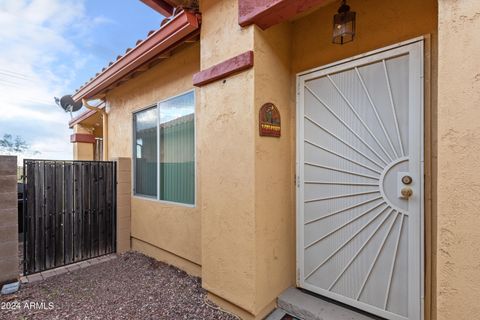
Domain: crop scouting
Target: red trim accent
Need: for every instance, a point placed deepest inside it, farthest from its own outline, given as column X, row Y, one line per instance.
column 267, row 13
column 82, row 138
column 160, row 6
column 228, row 67
column 170, row 34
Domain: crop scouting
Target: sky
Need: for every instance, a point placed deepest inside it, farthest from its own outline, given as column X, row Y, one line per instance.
column 48, row 48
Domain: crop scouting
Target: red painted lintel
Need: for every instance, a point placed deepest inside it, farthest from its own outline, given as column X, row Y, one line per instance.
column 224, row 69
column 82, row 138
column 271, row 12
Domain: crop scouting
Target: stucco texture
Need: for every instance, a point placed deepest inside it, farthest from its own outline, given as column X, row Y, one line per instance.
column 458, row 255
column 274, row 167
column 221, row 36
column 242, row 230
column 379, row 24
column 248, row 207
column 83, row 151
column 280, row 53
column 167, row 231
column 226, row 139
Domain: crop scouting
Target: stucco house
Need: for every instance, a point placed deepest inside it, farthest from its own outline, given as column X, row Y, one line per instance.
column 364, row 187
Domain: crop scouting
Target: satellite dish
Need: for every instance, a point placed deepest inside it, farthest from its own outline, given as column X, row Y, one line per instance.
column 68, row 104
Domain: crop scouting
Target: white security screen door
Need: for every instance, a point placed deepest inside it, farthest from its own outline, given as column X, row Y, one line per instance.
column 360, row 181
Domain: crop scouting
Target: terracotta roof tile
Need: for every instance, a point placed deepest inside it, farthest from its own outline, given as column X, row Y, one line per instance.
column 138, row 43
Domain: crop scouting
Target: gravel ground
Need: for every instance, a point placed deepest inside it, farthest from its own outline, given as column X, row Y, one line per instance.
column 132, row 286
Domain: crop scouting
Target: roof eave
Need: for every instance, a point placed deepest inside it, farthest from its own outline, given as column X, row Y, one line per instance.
column 85, row 115
column 161, row 6
column 167, row 37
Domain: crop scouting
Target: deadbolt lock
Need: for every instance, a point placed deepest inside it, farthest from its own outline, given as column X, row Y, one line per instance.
column 407, row 180
column 406, row 192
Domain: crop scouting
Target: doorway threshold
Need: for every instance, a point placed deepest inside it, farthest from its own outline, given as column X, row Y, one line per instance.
column 294, row 303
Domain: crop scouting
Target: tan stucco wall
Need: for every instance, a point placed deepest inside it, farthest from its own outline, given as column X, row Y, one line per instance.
column 458, row 254
column 221, row 36
column 280, row 53
column 83, row 151
column 379, row 24
column 248, row 232
column 242, row 230
column 173, row 230
column 226, row 143
column 274, row 170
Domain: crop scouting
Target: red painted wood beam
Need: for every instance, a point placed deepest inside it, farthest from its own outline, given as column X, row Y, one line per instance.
column 267, row 13
column 224, row 69
column 161, row 6
column 82, row 138
column 167, row 37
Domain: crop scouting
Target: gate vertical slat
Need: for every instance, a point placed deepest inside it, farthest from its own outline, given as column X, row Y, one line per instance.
column 86, row 210
column 114, row 205
column 101, row 209
column 68, row 217
column 39, row 218
column 49, row 216
column 84, row 201
column 59, row 214
column 108, row 208
column 69, row 212
column 78, row 226
column 90, row 209
column 30, row 214
column 95, row 210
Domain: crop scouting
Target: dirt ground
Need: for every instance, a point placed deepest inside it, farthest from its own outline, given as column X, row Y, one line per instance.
column 132, row 286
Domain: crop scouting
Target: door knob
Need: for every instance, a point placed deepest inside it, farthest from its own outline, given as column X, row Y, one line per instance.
column 406, row 192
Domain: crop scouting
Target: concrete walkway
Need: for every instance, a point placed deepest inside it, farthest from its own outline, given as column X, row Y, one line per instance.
column 68, row 268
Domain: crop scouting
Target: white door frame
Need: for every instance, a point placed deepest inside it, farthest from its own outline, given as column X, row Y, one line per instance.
column 416, row 84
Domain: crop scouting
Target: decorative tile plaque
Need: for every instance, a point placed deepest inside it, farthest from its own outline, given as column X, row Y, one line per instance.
column 269, row 121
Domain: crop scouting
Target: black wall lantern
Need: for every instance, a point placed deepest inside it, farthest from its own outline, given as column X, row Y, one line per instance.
column 343, row 25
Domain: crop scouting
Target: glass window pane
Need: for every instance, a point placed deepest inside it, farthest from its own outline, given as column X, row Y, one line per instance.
column 145, row 150
column 177, row 149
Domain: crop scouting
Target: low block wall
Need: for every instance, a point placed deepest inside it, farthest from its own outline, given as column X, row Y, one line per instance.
column 8, row 220
column 124, row 194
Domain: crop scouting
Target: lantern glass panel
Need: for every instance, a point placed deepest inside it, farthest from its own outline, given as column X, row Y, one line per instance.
column 343, row 27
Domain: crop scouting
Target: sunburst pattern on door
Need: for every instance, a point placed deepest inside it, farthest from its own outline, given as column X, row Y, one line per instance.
column 356, row 145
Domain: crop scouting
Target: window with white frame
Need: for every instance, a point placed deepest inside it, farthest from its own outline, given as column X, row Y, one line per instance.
column 164, row 150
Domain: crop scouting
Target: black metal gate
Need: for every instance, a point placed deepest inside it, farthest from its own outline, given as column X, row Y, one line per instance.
column 69, row 212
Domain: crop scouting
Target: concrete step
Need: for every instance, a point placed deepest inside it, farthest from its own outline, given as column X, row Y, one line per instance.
column 277, row 314
column 309, row 307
